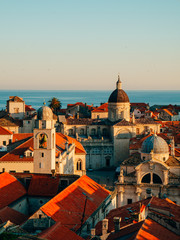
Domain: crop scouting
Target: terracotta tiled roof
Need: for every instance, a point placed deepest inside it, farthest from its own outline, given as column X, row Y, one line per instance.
column 21, row 136
column 80, row 121
column 168, row 112
column 102, row 108
column 145, row 121
column 66, row 207
column 15, row 99
column 61, row 139
column 124, row 123
column 139, row 105
column 7, row 121
column 79, row 104
column 172, row 161
column 59, row 232
column 174, row 209
column 133, row 160
column 12, row 215
column 126, row 232
column 29, row 108
column 4, row 131
column 124, row 213
column 177, row 153
column 43, row 186
column 17, row 155
column 151, row 230
column 10, row 189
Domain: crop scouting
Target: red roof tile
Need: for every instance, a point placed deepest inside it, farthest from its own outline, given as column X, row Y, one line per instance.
column 29, row 108
column 15, row 99
column 126, row 232
column 43, row 186
column 102, row 108
column 4, row 131
column 10, row 189
column 17, row 155
column 151, row 230
column 59, row 232
column 66, row 207
column 61, row 139
column 122, row 212
column 21, row 136
column 168, row 112
column 12, row 215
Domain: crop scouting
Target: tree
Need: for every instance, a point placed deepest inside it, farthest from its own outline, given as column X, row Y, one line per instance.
column 55, row 105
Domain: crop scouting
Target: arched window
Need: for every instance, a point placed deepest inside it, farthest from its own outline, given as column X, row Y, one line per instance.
column 146, row 178
column 42, row 140
column 71, row 132
column 93, row 131
column 79, row 165
column 82, row 131
column 156, row 179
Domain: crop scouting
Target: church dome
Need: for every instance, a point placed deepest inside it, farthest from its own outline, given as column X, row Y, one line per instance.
column 155, row 143
column 118, row 95
column 44, row 113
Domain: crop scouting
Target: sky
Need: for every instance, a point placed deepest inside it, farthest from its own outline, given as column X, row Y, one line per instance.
column 85, row 44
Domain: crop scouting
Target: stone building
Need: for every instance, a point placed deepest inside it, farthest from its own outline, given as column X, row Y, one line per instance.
column 153, row 169
column 106, row 140
column 16, row 107
column 45, row 151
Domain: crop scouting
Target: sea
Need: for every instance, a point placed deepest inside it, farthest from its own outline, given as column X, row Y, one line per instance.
column 37, row 97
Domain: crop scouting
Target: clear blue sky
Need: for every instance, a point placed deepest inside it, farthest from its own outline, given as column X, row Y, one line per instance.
column 84, row 44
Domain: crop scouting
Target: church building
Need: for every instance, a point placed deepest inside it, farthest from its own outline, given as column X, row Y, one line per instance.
column 106, row 140
column 153, row 171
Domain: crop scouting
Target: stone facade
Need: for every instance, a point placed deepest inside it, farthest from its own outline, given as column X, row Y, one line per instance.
column 16, row 107
column 152, row 169
column 106, row 141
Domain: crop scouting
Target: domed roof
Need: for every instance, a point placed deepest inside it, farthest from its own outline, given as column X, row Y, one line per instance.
column 118, row 95
column 44, row 113
column 155, row 143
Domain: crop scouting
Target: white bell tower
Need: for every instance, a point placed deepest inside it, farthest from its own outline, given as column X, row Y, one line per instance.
column 44, row 141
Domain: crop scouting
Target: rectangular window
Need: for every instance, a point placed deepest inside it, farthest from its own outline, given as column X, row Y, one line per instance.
column 129, row 200
column 26, row 171
column 4, row 143
column 42, row 154
column 40, row 165
column 16, row 110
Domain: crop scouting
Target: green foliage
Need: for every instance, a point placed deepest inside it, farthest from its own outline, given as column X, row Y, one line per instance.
column 55, row 104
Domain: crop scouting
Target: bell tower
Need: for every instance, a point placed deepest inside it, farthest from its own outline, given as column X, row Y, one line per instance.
column 44, row 141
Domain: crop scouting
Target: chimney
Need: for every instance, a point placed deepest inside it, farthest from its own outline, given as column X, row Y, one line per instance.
column 66, row 146
column 93, row 232
column 104, row 226
column 117, row 221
